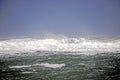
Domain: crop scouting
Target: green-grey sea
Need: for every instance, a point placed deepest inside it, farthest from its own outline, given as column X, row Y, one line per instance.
column 103, row 66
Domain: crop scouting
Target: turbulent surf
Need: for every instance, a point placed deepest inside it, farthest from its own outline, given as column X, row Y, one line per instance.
column 60, row 58
column 83, row 45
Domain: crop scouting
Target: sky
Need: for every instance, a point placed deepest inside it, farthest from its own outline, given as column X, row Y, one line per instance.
column 67, row 17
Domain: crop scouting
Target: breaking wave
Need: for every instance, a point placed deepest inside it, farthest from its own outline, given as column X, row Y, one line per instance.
column 50, row 65
column 41, row 64
column 59, row 44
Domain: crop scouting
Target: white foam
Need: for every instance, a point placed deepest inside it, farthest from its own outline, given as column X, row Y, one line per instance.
column 50, row 65
column 26, row 72
column 20, row 66
column 41, row 64
column 82, row 64
column 82, row 45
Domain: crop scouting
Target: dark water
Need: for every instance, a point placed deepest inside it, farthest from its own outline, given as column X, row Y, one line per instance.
column 104, row 66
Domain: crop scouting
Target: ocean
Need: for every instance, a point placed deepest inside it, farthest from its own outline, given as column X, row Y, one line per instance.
column 60, row 59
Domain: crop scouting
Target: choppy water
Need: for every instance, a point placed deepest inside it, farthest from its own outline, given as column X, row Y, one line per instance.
column 104, row 66
column 60, row 58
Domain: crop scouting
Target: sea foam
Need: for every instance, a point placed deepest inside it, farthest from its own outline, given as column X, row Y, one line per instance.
column 50, row 65
column 20, row 66
column 83, row 45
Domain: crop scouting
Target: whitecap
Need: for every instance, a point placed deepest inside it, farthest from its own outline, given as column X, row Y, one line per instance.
column 20, row 66
column 83, row 45
column 26, row 72
column 50, row 65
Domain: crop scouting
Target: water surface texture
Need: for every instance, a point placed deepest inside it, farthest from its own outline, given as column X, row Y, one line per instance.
column 60, row 59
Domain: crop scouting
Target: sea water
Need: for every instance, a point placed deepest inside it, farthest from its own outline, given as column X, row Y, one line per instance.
column 60, row 59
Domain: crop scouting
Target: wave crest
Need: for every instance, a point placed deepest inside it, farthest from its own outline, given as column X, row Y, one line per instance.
column 61, row 44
